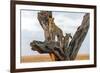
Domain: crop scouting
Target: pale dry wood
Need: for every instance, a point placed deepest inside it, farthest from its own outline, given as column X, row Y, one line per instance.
column 70, row 52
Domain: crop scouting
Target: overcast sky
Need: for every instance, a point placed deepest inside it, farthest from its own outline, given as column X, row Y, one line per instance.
column 31, row 29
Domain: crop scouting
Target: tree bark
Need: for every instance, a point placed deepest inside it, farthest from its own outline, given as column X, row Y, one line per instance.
column 71, row 50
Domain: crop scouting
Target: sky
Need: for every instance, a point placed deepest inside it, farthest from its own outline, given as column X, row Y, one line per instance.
column 32, row 30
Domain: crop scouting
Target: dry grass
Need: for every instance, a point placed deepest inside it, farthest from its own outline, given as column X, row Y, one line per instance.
column 82, row 57
column 36, row 58
column 46, row 57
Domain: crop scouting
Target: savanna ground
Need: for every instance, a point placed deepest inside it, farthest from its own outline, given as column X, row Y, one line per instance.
column 46, row 57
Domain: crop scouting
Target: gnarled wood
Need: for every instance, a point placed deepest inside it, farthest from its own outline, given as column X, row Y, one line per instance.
column 78, row 38
column 70, row 51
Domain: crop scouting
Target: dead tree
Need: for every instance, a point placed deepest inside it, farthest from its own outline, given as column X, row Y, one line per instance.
column 78, row 38
column 70, row 52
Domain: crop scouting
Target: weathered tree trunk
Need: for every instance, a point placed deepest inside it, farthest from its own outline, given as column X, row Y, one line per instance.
column 71, row 51
column 78, row 38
